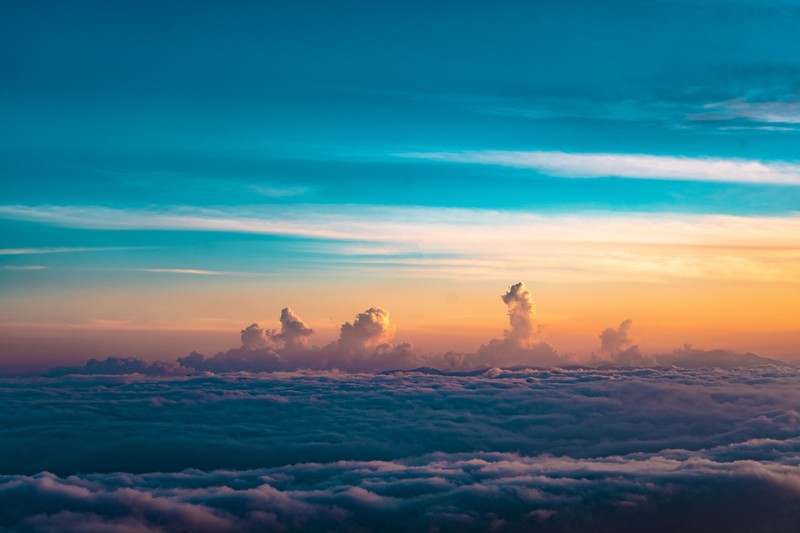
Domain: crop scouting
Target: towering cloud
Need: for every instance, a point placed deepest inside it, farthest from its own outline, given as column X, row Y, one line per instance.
column 521, row 344
column 294, row 333
column 521, row 315
column 369, row 330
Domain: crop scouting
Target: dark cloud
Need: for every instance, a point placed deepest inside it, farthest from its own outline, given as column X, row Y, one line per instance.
column 235, row 360
column 120, row 365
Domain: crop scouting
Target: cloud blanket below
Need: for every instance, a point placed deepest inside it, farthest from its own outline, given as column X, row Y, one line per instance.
column 553, row 450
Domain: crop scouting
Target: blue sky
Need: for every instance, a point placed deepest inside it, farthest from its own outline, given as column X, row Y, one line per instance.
column 327, row 114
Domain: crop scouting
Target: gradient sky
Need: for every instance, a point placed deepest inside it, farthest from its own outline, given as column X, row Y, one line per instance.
column 174, row 172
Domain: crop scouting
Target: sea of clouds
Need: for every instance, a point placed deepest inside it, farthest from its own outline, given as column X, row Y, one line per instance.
column 507, row 450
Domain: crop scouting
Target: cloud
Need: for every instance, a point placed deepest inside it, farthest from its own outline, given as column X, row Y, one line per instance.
column 615, row 340
column 253, row 337
column 616, row 348
column 369, row 329
column 771, row 112
column 294, row 333
column 235, row 360
column 464, row 492
column 521, row 344
column 120, row 365
column 521, row 315
column 634, row 166
column 60, row 250
column 24, row 267
column 550, row 450
column 365, row 345
column 281, row 191
column 190, row 271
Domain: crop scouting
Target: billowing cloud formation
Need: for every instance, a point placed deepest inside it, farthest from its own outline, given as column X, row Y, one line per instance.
column 365, row 346
column 542, row 450
column 294, row 333
column 370, row 329
column 520, row 345
column 521, row 315
column 253, row 338
column 454, row 492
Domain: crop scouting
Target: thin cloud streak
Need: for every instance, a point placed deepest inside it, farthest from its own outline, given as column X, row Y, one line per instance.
column 189, row 271
column 61, row 250
column 24, row 267
column 632, row 166
column 779, row 112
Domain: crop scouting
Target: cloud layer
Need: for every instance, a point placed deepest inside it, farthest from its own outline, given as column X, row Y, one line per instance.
column 550, row 450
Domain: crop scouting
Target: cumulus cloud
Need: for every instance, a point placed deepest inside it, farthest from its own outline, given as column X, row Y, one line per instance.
column 370, row 329
column 366, row 345
column 294, row 333
column 253, row 337
column 521, row 344
column 521, row 315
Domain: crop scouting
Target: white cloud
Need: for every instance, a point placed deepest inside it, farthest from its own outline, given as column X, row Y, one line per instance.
column 633, row 166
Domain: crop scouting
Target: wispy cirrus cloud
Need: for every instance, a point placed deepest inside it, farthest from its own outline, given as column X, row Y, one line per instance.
column 476, row 243
column 59, row 250
column 24, row 267
column 187, row 271
column 771, row 111
column 632, row 166
column 281, row 191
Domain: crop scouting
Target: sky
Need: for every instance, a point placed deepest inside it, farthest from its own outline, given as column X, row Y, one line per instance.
column 176, row 171
column 410, row 266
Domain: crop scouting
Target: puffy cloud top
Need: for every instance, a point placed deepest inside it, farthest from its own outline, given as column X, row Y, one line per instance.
column 521, row 315
column 253, row 338
column 294, row 333
column 369, row 330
